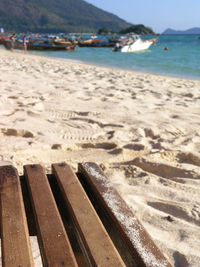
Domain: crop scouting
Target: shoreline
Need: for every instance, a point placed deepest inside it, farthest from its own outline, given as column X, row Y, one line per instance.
column 143, row 129
column 116, row 68
column 128, row 70
column 74, row 61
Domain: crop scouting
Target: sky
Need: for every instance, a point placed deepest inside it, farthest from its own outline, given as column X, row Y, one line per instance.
column 156, row 14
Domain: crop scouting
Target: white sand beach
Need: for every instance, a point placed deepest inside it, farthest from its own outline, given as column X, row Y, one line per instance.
column 143, row 129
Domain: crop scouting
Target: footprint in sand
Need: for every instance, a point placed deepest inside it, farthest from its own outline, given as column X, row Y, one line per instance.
column 56, row 146
column 76, row 133
column 135, row 147
column 196, row 212
column 60, row 114
column 116, row 151
column 33, row 114
column 17, row 133
column 189, row 158
column 104, row 145
column 163, row 170
column 150, row 133
column 180, row 260
column 176, row 211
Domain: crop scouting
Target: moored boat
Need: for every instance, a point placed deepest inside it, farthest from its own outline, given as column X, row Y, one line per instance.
column 133, row 44
column 4, row 37
column 95, row 41
column 49, row 46
column 62, row 42
column 38, row 44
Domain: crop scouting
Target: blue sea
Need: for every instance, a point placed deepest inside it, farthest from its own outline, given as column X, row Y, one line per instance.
column 182, row 59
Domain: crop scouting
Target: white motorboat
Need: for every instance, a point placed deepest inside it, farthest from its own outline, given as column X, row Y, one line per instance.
column 133, row 45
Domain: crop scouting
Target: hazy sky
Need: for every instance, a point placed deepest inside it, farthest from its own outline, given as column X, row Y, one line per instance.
column 157, row 14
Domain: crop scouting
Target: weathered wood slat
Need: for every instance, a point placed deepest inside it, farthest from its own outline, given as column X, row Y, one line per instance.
column 16, row 249
column 97, row 243
column 54, row 244
column 137, row 239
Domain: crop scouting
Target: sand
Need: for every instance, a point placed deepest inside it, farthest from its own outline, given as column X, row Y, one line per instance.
column 143, row 129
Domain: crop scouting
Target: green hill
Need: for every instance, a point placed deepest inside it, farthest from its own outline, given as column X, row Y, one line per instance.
column 56, row 16
column 138, row 29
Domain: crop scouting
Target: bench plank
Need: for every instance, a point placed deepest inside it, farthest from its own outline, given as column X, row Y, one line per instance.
column 54, row 244
column 16, row 248
column 137, row 239
column 96, row 241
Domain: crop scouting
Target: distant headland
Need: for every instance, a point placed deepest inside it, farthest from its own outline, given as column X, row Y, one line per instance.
column 195, row 30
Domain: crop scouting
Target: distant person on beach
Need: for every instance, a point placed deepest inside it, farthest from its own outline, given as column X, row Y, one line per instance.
column 24, row 43
column 12, row 42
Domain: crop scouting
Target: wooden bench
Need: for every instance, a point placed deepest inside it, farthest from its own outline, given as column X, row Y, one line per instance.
column 79, row 220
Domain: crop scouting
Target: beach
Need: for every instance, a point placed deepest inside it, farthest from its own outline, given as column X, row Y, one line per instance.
column 142, row 129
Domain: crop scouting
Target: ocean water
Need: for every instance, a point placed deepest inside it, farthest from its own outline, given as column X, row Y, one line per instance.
column 182, row 59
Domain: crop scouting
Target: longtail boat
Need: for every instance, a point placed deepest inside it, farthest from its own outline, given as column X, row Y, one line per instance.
column 95, row 42
column 3, row 37
column 38, row 44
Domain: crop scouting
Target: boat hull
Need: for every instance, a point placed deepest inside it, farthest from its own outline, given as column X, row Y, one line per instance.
column 37, row 46
column 135, row 45
column 50, row 47
column 96, row 42
column 94, row 45
column 138, row 45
